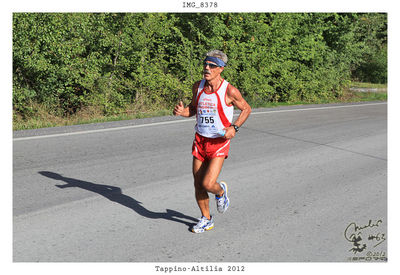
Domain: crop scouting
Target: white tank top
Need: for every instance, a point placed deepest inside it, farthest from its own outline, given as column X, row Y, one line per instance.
column 213, row 114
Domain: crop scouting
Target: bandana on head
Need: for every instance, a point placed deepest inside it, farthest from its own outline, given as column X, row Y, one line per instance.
column 216, row 60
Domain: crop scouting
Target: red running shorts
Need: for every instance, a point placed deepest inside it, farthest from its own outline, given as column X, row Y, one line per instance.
column 207, row 148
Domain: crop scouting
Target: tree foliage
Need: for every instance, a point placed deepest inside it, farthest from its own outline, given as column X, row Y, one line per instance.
column 66, row 61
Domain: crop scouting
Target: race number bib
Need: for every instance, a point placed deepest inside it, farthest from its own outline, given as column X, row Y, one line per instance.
column 206, row 119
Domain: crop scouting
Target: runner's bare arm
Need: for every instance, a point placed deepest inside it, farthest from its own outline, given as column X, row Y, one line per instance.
column 235, row 97
column 189, row 110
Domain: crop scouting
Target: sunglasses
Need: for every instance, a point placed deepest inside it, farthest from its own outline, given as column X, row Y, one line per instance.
column 212, row 66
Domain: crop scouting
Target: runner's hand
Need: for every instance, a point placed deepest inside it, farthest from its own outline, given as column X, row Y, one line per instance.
column 229, row 132
column 178, row 109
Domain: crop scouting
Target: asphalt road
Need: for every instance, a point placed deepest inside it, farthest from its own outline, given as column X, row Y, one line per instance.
column 306, row 183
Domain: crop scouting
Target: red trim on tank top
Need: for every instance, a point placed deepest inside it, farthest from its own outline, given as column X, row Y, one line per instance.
column 198, row 97
column 223, row 80
column 204, row 91
column 221, row 113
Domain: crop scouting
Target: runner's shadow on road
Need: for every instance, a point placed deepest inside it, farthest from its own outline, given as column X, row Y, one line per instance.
column 115, row 194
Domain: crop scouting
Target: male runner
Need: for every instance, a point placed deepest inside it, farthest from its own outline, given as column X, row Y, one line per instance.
column 212, row 103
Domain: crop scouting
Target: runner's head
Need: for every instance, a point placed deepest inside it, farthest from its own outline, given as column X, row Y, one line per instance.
column 214, row 64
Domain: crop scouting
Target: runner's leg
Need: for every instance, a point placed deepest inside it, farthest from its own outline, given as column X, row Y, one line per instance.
column 199, row 170
column 205, row 180
column 210, row 183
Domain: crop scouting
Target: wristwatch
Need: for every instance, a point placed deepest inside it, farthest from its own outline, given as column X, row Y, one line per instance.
column 235, row 127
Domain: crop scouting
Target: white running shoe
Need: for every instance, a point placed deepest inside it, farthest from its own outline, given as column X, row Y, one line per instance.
column 222, row 202
column 204, row 224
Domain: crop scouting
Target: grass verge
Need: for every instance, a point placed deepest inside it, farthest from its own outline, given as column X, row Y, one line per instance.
column 42, row 118
column 355, row 84
column 347, row 97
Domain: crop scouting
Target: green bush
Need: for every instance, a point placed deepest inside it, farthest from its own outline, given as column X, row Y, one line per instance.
column 67, row 61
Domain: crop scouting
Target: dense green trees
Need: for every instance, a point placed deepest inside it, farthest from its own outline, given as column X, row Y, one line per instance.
column 65, row 61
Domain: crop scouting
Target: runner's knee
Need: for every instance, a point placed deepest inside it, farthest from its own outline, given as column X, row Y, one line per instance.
column 208, row 184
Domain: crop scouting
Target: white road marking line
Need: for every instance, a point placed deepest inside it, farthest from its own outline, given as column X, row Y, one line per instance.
column 318, row 108
column 102, row 130
column 186, row 120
